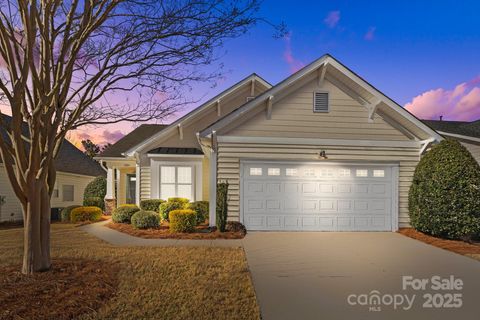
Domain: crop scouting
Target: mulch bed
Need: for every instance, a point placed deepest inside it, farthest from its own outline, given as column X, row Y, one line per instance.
column 457, row 246
column 71, row 288
column 202, row 232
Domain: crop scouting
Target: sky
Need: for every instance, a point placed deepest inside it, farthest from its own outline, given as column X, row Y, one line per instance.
column 425, row 55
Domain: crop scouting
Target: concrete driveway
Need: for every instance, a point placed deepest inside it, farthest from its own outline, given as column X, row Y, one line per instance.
column 315, row 275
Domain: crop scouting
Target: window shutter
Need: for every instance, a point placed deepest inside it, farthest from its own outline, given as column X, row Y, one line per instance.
column 320, row 102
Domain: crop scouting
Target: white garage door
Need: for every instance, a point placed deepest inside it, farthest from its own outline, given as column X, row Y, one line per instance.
column 319, row 197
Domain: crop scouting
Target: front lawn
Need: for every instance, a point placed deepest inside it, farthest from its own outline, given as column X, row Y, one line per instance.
column 152, row 283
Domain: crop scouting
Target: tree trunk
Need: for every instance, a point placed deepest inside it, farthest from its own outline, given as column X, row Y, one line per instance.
column 36, row 237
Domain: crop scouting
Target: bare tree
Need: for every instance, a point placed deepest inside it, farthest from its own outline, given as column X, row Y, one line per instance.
column 63, row 64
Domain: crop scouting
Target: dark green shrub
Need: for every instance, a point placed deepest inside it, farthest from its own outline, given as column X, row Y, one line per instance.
column 201, row 208
column 65, row 213
column 151, row 204
column 123, row 214
column 82, row 214
column 94, row 202
column 145, row 219
column 235, row 226
column 96, row 189
column 182, row 220
column 222, row 205
column 172, row 204
column 444, row 199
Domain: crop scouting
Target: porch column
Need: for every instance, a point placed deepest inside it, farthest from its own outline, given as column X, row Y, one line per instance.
column 110, row 197
column 137, row 184
column 212, row 220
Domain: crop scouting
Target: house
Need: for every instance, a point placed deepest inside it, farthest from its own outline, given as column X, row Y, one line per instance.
column 74, row 171
column 322, row 150
column 467, row 133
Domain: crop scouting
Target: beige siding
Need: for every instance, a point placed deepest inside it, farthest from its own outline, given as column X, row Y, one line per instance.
column 145, row 183
column 474, row 150
column 293, row 117
column 12, row 209
column 230, row 154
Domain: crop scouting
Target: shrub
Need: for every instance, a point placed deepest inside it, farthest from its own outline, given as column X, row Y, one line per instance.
column 95, row 190
column 124, row 213
column 182, row 220
column 444, row 199
column 151, row 204
column 201, row 208
column 235, row 226
column 222, row 205
column 145, row 219
column 81, row 214
column 170, row 205
column 65, row 213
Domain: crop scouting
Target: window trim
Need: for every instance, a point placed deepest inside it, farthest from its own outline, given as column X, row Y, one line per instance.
column 176, row 183
column 328, row 101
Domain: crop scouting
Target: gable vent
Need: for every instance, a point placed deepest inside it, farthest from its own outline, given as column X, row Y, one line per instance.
column 320, row 102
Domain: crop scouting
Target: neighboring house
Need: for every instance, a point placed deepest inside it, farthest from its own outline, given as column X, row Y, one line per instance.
column 74, row 171
column 321, row 150
column 467, row 133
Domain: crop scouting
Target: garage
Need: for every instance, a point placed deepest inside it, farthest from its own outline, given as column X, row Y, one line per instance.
column 313, row 196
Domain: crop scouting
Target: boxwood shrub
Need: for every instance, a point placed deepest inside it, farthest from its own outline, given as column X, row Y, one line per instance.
column 170, row 205
column 182, row 220
column 94, row 202
column 81, row 214
column 145, row 219
column 124, row 213
column 444, row 198
column 65, row 213
column 151, row 204
column 201, row 208
column 94, row 193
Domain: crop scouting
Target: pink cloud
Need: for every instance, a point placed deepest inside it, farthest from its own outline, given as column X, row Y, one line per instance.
column 98, row 136
column 112, row 136
column 294, row 63
column 332, row 19
column 461, row 103
column 370, row 35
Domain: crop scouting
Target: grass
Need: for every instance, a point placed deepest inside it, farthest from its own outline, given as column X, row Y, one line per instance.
column 161, row 283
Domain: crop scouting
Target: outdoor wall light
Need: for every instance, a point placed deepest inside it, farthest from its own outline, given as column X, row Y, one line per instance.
column 322, row 155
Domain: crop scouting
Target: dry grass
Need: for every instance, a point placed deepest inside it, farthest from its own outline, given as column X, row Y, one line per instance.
column 156, row 283
column 460, row 247
column 163, row 232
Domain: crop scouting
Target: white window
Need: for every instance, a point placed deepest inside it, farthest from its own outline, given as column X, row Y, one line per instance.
column 309, row 172
column 379, row 173
column 326, row 172
column 362, row 173
column 344, row 172
column 176, row 181
column 68, row 192
column 255, row 171
column 291, row 172
column 273, row 171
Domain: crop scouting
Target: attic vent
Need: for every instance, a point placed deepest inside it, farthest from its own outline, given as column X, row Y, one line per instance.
column 320, row 102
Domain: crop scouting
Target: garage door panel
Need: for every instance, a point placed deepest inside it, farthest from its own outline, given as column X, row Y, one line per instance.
column 280, row 196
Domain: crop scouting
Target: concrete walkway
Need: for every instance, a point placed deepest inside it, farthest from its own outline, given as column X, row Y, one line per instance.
column 121, row 239
column 307, row 275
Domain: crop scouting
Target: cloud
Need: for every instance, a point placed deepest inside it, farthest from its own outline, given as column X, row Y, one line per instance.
column 294, row 63
column 370, row 35
column 462, row 103
column 112, row 136
column 332, row 19
column 100, row 137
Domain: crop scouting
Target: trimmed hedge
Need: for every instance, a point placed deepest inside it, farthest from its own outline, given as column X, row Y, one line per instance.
column 170, row 205
column 235, row 226
column 444, row 199
column 222, row 205
column 81, row 214
column 182, row 220
column 201, row 208
column 145, row 219
column 151, row 204
column 95, row 192
column 65, row 213
column 124, row 213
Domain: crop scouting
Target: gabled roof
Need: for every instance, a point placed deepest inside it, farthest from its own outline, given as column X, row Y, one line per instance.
column 195, row 112
column 463, row 128
column 135, row 137
column 370, row 97
column 70, row 159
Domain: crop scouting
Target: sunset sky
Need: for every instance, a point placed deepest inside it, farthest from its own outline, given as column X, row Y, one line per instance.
column 424, row 55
